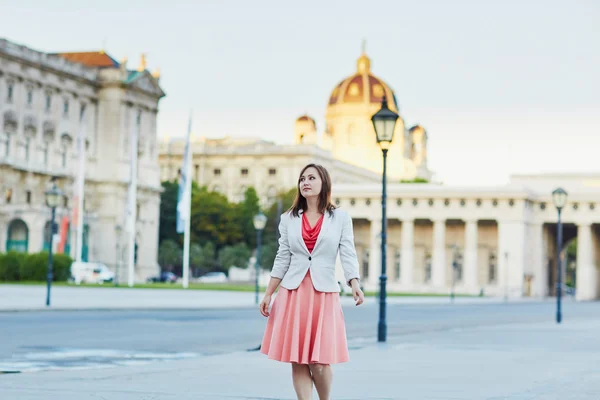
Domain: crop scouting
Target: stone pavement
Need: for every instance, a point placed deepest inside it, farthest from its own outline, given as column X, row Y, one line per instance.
column 536, row 361
column 33, row 298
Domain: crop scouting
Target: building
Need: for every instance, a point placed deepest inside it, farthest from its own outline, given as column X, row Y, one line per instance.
column 496, row 240
column 41, row 101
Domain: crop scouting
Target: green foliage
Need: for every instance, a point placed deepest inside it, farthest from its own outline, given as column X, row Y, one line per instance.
column 214, row 219
column 169, row 255
column 202, row 258
column 234, row 256
column 10, row 265
column 218, row 227
column 168, row 212
column 247, row 209
column 33, row 267
column 416, row 180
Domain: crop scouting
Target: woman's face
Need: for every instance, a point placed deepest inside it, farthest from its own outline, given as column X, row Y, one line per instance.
column 310, row 183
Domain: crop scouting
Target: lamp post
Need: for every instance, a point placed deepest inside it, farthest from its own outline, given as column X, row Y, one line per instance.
column 259, row 220
column 559, row 198
column 384, row 122
column 53, row 198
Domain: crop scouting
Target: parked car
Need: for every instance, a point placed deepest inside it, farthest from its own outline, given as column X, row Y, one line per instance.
column 163, row 277
column 213, row 277
column 88, row 272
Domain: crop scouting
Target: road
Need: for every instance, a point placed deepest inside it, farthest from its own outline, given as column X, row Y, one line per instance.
column 83, row 339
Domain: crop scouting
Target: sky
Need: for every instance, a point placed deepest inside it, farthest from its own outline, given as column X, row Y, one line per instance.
column 502, row 87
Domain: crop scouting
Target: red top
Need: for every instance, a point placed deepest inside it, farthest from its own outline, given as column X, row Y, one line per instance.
column 309, row 234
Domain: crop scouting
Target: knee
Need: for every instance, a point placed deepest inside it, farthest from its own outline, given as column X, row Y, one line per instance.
column 318, row 369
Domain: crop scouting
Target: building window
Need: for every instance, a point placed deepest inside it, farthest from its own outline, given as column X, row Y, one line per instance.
column 29, row 97
column 244, row 171
column 66, row 108
column 415, row 202
column 365, row 265
column 495, row 203
column 272, row 171
column 478, row 202
column 7, row 144
column 8, row 196
column 28, row 196
column 197, row 172
column 511, row 203
column 9, row 97
column 492, row 262
column 217, row 171
column 399, row 202
column 352, row 202
column 430, row 202
column 65, row 202
column 48, row 101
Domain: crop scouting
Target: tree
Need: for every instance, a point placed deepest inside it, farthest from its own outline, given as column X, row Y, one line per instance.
column 214, row 219
column 168, row 212
column 234, row 256
column 202, row 258
column 170, row 255
column 247, row 209
column 271, row 233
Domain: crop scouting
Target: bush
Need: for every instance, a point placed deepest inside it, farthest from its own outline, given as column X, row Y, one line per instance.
column 10, row 266
column 35, row 267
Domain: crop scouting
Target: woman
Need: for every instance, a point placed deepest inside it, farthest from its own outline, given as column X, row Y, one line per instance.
column 306, row 323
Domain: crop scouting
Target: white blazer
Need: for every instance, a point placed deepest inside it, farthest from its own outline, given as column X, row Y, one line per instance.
column 293, row 259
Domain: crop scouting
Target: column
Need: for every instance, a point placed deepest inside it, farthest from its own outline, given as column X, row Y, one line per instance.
column 438, row 261
column 586, row 270
column 540, row 269
column 407, row 263
column 375, row 252
column 470, row 259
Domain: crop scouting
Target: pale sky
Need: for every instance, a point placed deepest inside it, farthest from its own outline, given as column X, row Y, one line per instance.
column 501, row 86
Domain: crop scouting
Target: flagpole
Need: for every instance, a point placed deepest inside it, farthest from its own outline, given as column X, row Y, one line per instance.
column 132, row 197
column 188, row 204
column 80, row 186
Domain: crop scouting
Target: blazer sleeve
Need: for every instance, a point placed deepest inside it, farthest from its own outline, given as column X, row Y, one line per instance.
column 348, row 251
column 283, row 257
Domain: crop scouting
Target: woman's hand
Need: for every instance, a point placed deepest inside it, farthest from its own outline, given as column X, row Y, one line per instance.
column 359, row 296
column 264, row 305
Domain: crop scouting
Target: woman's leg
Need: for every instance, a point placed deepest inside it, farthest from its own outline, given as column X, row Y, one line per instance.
column 303, row 383
column 322, row 375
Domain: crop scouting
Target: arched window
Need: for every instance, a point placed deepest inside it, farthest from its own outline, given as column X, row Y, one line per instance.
column 18, row 236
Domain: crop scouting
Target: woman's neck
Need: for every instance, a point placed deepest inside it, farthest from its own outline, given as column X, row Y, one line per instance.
column 311, row 205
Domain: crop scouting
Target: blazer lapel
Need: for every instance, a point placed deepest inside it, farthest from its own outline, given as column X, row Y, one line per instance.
column 324, row 226
column 298, row 229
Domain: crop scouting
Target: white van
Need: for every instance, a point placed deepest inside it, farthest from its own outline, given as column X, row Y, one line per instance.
column 85, row 272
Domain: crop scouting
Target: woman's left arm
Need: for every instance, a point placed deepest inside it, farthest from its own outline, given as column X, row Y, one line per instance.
column 348, row 252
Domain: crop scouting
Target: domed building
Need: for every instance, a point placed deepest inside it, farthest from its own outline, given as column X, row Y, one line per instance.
column 492, row 240
column 349, row 133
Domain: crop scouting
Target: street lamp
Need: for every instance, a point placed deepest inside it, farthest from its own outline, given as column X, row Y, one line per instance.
column 259, row 220
column 559, row 198
column 53, row 198
column 384, row 122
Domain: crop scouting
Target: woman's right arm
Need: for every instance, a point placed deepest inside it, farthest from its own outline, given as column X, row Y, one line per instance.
column 280, row 266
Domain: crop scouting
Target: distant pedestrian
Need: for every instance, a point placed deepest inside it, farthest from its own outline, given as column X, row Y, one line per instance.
column 306, row 324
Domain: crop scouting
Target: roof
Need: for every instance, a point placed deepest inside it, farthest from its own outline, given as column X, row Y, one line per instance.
column 95, row 59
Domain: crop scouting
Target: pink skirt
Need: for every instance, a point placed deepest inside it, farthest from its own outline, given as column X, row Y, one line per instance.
column 306, row 326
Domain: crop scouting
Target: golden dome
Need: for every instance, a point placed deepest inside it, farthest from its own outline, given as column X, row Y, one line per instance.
column 363, row 87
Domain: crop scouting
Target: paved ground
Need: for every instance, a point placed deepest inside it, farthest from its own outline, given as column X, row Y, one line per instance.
column 470, row 350
column 519, row 361
column 33, row 297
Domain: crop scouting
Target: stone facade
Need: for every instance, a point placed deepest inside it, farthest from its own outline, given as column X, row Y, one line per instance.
column 41, row 101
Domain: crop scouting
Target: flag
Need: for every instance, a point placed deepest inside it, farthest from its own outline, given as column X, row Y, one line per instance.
column 184, row 196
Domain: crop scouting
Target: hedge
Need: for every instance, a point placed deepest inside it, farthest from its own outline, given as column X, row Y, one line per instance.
column 15, row 266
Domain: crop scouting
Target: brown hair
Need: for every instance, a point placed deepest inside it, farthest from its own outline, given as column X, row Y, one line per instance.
column 324, row 197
